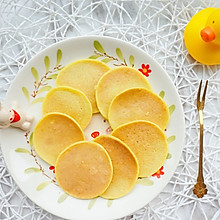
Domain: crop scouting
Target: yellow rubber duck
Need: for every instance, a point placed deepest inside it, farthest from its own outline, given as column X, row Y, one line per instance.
column 202, row 36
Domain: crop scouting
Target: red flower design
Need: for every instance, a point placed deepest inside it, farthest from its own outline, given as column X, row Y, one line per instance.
column 145, row 69
column 159, row 173
column 95, row 134
column 52, row 168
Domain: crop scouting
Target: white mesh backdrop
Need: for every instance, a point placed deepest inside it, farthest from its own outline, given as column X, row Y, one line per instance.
column 156, row 26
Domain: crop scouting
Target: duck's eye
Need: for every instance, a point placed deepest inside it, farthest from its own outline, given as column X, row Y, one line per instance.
column 213, row 22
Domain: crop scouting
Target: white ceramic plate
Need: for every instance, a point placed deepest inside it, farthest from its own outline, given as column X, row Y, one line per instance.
column 36, row 178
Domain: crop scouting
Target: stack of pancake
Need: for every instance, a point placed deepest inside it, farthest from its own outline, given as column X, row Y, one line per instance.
column 110, row 165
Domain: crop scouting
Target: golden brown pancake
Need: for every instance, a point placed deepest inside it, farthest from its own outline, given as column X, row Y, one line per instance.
column 138, row 104
column 54, row 133
column 84, row 170
column 83, row 75
column 147, row 141
column 116, row 81
column 69, row 101
column 125, row 167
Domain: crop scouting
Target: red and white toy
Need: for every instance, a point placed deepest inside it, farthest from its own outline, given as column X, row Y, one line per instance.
column 15, row 117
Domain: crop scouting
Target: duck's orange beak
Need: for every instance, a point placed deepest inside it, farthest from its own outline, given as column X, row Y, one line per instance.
column 207, row 34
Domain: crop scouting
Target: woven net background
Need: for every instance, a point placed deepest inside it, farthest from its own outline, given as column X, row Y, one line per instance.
column 156, row 26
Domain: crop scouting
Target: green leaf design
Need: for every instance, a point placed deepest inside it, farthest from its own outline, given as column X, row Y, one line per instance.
column 110, row 202
column 31, row 140
column 171, row 109
column 47, row 63
column 106, row 60
column 59, row 56
column 35, row 74
column 60, row 68
column 131, row 60
column 162, row 94
column 62, row 198
column 94, row 57
column 91, row 203
column 45, row 89
column 42, row 185
column 99, row 47
column 145, row 182
column 52, row 76
column 169, row 156
column 32, row 170
column 119, row 54
column 38, row 100
column 22, row 150
column 26, row 93
column 171, row 139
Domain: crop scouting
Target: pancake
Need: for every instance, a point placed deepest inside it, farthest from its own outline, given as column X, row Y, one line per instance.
column 138, row 104
column 148, row 143
column 68, row 101
column 114, row 82
column 53, row 133
column 83, row 75
column 84, row 170
column 125, row 167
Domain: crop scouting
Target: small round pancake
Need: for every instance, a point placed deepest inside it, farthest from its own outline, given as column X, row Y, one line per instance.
column 53, row 133
column 83, row 75
column 68, row 101
column 148, row 143
column 125, row 167
column 116, row 81
column 84, row 170
column 138, row 104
